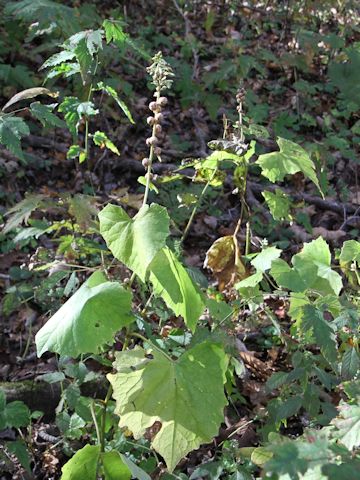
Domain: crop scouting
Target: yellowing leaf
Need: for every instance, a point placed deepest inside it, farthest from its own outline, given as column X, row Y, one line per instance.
column 223, row 258
column 186, row 396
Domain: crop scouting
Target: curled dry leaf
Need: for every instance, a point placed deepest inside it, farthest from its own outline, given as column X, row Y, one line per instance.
column 224, row 260
column 29, row 93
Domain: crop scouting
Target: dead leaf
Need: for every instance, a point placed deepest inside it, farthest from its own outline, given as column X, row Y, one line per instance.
column 29, row 93
column 224, row 260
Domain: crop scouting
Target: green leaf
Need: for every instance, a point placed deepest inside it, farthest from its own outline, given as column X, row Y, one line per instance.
column 286, row 460
column 313, row 320
column 14, row 414
column 350, row 364
column 289, row 160
column 260, row 456
column 264, row 259
column 44, row 114
column 21, row 212
column 136, row 471
column 12, row 129
column 279, row 204
column 58, row 58
column 87, row 320
column 18, row 448
column 251, row 281
column 172, row 282
column 112, row 93
column 114, row 467
column 314, row 265
column 350, row 252
column 349, row 470
column 135, row 241
column 83, row 465
column 100, row 139
column 348, row 425
column 288, row 408
column 114, row 31
column 287, row 277
column 74, row 110
column 186, row 396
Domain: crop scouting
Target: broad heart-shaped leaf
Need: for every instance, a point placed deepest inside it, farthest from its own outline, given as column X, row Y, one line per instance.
column 172, row 282
column 135, row 241
column 87, row 320
column 186, row 396
column 323, row 331
column 289, row 160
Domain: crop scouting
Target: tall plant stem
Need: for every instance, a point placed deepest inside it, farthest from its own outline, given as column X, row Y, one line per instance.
column 196, row 207
column 106, row 401
column 151, row 157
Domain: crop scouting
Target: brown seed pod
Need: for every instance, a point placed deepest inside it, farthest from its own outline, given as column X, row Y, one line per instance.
column 150, row 121
column 157, row 151
column 159, row 117
column 158, row 129
column 145, row 162
column 154, row 107
column 152, row 141
column 149, row 175
column 162, row 101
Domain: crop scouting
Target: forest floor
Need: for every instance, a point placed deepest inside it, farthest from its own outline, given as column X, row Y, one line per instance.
column 288, row 91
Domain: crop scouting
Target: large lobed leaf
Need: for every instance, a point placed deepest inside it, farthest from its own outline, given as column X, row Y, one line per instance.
column 135, row 241
column 87, row 320
column 312, row 270
column 186, row 396
column 289, row 160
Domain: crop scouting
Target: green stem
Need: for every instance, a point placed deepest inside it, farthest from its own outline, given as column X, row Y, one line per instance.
column 107, row 399
column 195, row 209
column 93, row 415
column 247, row 239
column 144, row 339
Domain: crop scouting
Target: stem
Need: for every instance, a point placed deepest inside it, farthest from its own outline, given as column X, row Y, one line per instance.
column 106, row 401
column 247, row 239
column 98, row 436
column 103, row 418
column 151, row 157
column 195, row 209
column 144, row 339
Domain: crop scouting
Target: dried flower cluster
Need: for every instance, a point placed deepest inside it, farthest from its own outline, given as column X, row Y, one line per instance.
column 160, row 72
